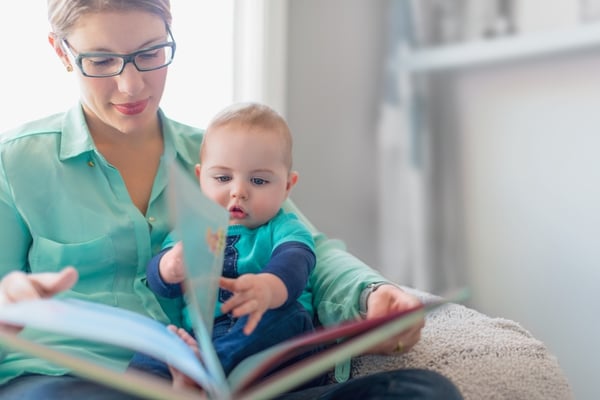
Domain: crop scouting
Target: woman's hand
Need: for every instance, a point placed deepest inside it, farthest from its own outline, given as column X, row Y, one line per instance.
column 18, row 286
column 389, row 298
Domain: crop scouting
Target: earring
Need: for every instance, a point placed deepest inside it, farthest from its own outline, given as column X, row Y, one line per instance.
column 69, row 68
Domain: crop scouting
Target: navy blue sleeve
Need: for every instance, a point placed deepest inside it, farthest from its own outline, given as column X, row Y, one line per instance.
column 156, row 283
column 292, row 262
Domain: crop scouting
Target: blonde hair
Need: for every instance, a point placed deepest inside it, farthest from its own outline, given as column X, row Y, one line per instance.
column 63, row 14
column 252, row 116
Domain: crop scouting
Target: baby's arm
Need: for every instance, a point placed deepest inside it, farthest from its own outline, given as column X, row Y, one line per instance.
column 165, row 272
column 170, row 266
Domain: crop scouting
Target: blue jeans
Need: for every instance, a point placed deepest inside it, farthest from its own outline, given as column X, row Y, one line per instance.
column 232, row 345
column 37, row 387
column 275, row 326
column 405, row 384
column 408, row 384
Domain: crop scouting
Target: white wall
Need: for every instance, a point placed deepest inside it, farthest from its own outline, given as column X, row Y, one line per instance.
column 530, row 140
column 35, row 84
column 335, row 51
column 526, row 144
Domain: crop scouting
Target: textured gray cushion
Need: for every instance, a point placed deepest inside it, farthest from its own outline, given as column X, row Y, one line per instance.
column 487, row 358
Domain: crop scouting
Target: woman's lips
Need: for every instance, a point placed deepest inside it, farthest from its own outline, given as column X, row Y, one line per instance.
column 131, row 108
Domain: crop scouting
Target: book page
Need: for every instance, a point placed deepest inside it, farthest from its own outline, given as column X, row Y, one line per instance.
column 134, row 382
column 320, row 363
column 202, row 226
column 106, row 324
column 358, row 337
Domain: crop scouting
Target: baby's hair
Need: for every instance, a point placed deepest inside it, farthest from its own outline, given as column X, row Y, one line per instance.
column 255, row 117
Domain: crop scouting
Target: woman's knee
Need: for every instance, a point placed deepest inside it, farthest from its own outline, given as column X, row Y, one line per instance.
column 403, row 384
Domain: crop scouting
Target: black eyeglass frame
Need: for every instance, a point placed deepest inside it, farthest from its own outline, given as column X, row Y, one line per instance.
column 127, row 58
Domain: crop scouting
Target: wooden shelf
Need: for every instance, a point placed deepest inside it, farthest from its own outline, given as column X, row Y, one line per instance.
column 502, row 49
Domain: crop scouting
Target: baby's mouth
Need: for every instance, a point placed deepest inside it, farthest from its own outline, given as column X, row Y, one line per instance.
column 236, row 212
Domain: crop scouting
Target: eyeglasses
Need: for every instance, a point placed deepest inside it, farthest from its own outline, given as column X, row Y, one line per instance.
column 104, row 65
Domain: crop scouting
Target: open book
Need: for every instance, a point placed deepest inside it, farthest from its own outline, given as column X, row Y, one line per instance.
column 198, row 220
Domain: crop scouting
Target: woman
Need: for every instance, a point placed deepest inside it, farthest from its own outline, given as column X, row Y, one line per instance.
column 87, row 188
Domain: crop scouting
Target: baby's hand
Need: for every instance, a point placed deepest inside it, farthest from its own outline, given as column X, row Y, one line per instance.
column 171, row 265
column 253, row 295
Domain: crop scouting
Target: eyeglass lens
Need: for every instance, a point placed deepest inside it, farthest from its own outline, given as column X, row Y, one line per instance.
column 110, row 64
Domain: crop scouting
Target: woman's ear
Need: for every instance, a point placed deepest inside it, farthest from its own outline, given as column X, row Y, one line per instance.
column 60, row 52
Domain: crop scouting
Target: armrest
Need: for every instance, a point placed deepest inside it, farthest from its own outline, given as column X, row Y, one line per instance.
column 486, row 358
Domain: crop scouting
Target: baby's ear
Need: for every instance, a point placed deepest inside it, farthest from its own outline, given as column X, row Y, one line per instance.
column 292, row 180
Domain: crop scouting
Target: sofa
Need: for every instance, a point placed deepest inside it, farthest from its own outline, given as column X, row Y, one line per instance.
column 486, row 358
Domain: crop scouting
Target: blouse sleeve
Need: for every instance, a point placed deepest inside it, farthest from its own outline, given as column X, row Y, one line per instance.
column 338, row 277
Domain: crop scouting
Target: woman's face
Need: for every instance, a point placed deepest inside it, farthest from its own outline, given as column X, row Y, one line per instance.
column 126, row 103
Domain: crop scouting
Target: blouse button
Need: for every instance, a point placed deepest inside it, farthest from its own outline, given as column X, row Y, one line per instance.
column 151, row 219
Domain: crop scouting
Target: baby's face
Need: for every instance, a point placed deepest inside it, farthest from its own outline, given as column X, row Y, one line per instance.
column 246, row 173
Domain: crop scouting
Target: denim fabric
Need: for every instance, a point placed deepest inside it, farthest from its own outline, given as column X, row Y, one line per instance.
column 276, row 326
column 409, row 384
column 47, row 387
column 149, row 364
column 397, row 385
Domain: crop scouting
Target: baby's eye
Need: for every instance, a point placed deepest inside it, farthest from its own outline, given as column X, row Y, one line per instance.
column 222, row 178
column 259, row 181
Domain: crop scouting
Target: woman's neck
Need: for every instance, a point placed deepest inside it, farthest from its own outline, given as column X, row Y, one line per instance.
column 104, row 135
column 136, row 154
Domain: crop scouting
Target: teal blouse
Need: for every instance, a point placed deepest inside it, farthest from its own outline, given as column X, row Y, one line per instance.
column 62, row 203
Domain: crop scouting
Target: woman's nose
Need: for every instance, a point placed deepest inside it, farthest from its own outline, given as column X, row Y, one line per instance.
column 130, row 81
